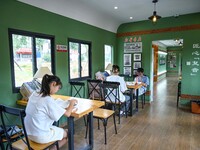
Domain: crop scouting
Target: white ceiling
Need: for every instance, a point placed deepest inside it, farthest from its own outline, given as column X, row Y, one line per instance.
column 101, row 13
column 169, row 43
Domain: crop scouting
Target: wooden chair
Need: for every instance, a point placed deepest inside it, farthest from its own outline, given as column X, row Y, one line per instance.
column 3, row 139
column 23, row 143
column 100, row 113
column 78, row 90
column 143, row 98
column 110, row 90
column 178, row 93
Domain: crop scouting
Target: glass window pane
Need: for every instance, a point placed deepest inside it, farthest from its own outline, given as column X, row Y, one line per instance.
column 84, row 60
column 43, row 52
column 74, row 60
column 22, row 55
column 108, row 54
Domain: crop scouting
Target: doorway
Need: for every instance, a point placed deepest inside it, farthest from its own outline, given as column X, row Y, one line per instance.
column 166, row 56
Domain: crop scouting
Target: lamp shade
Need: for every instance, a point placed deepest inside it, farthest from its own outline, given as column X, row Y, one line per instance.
column 154, row 17
column 42, row 71
column 109, row 67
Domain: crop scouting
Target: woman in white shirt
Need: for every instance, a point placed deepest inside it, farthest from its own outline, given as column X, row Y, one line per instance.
column 122, row 88
column 42, row 110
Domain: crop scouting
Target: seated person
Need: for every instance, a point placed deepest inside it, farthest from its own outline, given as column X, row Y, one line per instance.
column 42, row 110
column 100, row 76
column 143, row 79
column 122, row 88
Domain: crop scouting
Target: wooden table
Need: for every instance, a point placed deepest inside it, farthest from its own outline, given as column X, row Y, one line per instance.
column 85, row 106
column 132, row 88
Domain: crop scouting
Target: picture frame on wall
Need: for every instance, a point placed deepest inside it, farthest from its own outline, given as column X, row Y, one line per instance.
column 135, row 72
column 137, row 57
column 137, row 64
column 127, row 59
column 127, row 71
column 133, row 47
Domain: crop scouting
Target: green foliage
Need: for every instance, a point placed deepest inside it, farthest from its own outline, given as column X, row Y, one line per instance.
column 47, row 57
column 19, row 41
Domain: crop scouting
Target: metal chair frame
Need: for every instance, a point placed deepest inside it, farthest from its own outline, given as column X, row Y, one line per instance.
column 21, row 114
column 112, row 88
column 77, row 86
column 94, row 86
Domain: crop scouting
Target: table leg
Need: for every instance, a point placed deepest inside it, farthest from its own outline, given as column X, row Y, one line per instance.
column 131, row 103
column 137, row 92
column 91, row 134
column 70, row 123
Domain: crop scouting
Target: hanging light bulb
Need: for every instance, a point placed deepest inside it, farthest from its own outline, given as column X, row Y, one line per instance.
column 154, row 17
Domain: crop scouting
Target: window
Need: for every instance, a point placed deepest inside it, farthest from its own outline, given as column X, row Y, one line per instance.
column 79, row 59
column 29, row 51
column 108, row 55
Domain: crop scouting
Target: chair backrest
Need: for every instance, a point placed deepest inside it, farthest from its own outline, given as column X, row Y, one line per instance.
column 77, row 89
column 110, row 92
column 13, row 112
column 94, row 91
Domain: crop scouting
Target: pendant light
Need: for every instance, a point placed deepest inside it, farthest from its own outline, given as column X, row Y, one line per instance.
column 154, row 17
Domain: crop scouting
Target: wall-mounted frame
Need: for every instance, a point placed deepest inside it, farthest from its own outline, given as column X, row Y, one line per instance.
column 137, row 57
column 137, row 64
column 135, row 72
column 134, row 47
column 127, row 59
column 127, row 71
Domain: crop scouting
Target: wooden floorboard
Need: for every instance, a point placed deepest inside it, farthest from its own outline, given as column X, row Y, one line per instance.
column 159, row 126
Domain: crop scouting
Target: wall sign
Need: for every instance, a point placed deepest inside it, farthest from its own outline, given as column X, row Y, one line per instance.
column 61, row 48
column 172, row 60
column 195, row 61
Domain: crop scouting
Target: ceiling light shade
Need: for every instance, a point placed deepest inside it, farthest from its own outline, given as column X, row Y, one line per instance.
column 154, row 17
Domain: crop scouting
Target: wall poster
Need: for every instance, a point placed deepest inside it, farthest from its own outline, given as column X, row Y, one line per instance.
column 134, row 47
column 172, row 60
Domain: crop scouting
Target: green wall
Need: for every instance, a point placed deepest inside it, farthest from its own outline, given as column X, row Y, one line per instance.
column 17, row 15
column 190, row 85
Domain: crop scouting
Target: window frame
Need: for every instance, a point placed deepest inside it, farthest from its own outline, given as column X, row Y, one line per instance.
column 112, row 54
column 89, row 62
column 33, row 35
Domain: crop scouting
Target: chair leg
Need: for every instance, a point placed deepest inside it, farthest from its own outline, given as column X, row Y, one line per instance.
column 105, row 124
column 142, row 101
column 115, row 123
column 119, row 115
column 1, row 144
column 177, row 101
column 125, row 109
column 98, row 124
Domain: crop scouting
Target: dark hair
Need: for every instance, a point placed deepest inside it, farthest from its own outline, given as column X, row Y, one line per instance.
column 115, row 69
column 46, row 81
column 140, row 70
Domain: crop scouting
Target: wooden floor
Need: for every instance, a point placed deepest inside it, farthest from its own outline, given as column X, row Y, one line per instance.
column 159, row 126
